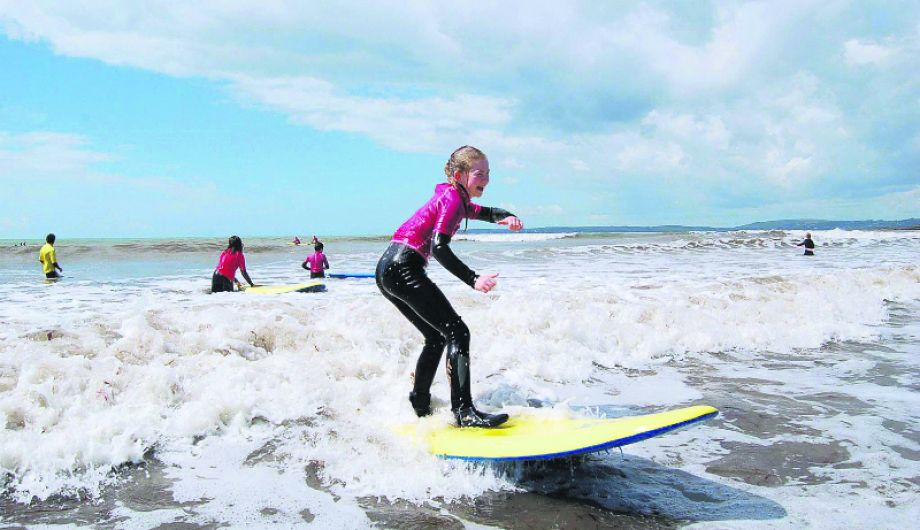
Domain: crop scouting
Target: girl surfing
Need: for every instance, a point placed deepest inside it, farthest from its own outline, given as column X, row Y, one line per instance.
column 402, row 279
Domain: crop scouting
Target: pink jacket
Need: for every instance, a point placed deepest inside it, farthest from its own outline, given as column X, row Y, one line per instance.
column 442, row 214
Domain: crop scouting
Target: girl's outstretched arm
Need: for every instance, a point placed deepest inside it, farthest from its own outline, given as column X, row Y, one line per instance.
column 442, row 252
column 501, row 216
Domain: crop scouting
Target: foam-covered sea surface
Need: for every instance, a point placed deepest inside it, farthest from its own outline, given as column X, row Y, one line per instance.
column 132, row 398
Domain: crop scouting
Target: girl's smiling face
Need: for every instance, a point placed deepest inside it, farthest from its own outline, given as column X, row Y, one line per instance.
column 477, row 178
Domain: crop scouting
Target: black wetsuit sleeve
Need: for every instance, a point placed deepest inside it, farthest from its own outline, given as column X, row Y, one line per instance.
column 446, row 257
column 800, row 244
column 492, row 214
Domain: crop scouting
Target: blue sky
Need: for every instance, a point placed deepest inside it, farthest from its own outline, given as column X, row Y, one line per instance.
column 158, row 118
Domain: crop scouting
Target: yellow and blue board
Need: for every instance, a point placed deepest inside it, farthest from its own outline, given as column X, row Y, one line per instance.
column 536, row 438
column 342, row 275
column 309, row 287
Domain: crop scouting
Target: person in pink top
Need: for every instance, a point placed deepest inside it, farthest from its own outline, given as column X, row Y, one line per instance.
column 231, row 260
column 402, row 279
column 316, row 263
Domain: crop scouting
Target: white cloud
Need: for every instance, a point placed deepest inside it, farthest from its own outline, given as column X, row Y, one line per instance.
column 710, row 129
column 900, row 204
column 39, row 153
column 637, row 154
column 783, row 171
column 411, row 125
column 738, row 103
column 320, row 65
column 787, row 134
column 858, row 53
column 49, row 158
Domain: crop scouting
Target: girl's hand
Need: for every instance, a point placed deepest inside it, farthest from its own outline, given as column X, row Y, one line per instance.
column 513, row 223
column 486, row 282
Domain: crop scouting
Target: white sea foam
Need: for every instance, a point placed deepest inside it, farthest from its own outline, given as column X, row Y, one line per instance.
column 94, row 375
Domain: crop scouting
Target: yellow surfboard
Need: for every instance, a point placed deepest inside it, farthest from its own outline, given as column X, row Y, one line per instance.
column 536, row 438
column 310, row 287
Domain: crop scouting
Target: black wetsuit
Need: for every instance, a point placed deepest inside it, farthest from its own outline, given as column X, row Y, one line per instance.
column 402, row 279
column 220, row 283
column 809, row 246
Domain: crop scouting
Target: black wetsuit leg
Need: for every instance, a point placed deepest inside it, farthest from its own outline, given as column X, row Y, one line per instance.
column 220, row 283
column 402, row 279
column 319, row 274
column 51, row 275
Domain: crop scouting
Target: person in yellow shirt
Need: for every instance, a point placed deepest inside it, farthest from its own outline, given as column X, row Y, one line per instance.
column 48, row 258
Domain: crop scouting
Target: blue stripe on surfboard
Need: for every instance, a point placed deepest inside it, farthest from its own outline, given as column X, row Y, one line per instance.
column 351, row 275
column 591, row 448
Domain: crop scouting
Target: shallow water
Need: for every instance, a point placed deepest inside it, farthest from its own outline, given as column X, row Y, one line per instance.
column 130, row 398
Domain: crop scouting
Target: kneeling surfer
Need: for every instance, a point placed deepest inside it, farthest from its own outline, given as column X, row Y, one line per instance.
column 402, row 279
column 231, row 259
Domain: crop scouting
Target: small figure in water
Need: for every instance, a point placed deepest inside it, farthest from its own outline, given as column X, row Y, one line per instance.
column 48, row 258
column 808, row 244
column 402, row 279
column 316, row 263
column 231, row 259
column 296, row 240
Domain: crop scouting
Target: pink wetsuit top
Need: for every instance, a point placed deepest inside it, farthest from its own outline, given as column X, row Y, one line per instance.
column 317, row 261
column 442, row 214
column 229, row 262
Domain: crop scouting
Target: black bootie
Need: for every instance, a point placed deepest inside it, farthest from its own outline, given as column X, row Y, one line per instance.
column 470, row 417
column 421, row 403
column 461, row 400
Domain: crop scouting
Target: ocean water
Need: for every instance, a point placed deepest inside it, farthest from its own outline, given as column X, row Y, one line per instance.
column 132, row 398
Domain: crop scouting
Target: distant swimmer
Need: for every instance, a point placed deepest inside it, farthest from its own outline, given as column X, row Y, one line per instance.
column 403, row 281
column 315, row 240
column 808, row 244
column 231, row 259
column 316, row 263
column 296, row 240
column 48, row 258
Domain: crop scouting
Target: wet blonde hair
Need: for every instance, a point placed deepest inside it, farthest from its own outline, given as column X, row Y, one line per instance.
column 462, row 160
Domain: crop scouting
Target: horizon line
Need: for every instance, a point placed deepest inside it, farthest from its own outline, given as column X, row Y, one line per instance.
column 648, row 228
